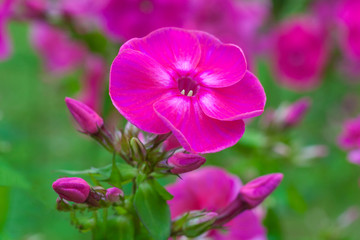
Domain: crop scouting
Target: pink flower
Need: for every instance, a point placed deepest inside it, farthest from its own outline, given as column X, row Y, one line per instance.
column 348, row 23
column 93, row 82
column 171, row 143
column 192, row 193
column 135, row 18
column 354, row 156
column 300, row 52
column 189, row 83
column 237, row 22
column 88, row 120
column 60, row 54
column 72, row 189
column 5, row 42
column 350, row 136
column 294, row 113
column 182, row 162
column 81, row 7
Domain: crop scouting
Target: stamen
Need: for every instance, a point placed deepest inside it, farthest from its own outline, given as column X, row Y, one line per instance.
column 190, row 93
column 183, row 92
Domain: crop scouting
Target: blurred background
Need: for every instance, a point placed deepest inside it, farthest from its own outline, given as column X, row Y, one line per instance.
column 305, row 53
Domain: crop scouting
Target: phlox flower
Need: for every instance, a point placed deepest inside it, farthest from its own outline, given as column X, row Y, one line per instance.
column 350, row 135
column 189, row 83
column 232, row 21
column 59, row 52
column 93, row 82
column 5, row 42
column 135, row 18
column 212, row 189
column 348, row 23
column 347, row 20
column 300, row 52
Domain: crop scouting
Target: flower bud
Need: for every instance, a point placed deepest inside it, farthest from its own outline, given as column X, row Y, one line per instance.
column 72, row 189
column 113, row 194
column 198, row 223
column 88, row 120
column 182, row 162
column 255, row 192
column 138, row 150
column 296, row 112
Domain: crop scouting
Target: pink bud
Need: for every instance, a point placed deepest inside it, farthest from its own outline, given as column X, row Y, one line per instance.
column 296, row 112
column 182, row 162
column 255, row 191
column 88, row 119
column 113, row 194
column 72, row 189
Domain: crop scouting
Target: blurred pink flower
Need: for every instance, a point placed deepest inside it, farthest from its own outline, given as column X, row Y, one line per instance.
column 189, row 83
column 354, row 156
column 81, row 7
column 300, row 52
column 350, row 135
column 348, row 25
column 33, row 8
column 237, row 22
column 135, row 18
column 5, row 42
column 93, row 83
column 60, row 53
column 287, row 115
column 295, row 113
column 192, row 193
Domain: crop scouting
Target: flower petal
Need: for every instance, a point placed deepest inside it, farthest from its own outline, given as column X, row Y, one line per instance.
column 173, row 48
column 183, row 201
column 242, row 100
column 245, row 226
column 221, row 65
column 5, row 43
column 195, row 131
column 136, row 83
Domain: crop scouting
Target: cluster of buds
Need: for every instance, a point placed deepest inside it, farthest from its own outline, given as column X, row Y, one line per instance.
column 77, row 190
column 287, row 115
column 131, row 144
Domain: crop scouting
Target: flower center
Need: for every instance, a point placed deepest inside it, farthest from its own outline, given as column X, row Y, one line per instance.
column 187, row 86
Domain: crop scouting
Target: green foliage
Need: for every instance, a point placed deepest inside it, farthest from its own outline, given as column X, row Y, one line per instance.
column 153, row 210
column 11, row 178
column 4, row 205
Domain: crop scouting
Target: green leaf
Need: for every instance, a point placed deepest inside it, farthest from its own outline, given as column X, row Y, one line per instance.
column 296, row 200
column 119, row 228
column 11, row 178
column 273, row 225
column 115, row 178
column 127, row 172
column 161, row 190
column 153, row 211
column 4, row 205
